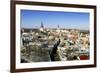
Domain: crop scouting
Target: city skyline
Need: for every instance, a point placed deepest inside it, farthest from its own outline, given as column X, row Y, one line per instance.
column 51, row 19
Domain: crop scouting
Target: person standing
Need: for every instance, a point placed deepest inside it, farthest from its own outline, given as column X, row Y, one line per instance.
column 54, row 50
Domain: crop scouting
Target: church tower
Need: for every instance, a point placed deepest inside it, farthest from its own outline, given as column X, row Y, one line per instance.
column 58, row 28
column 41, row 27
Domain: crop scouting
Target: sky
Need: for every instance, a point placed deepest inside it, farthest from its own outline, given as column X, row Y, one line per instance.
column 51, row 19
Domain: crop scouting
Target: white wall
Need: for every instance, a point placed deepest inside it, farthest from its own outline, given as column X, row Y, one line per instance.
column 5, row 36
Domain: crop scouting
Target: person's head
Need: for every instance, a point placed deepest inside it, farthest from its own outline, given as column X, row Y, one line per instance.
column 75, row 57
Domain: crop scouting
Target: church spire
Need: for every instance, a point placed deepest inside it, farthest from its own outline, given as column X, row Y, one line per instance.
column 42, row 25
column 58, row 26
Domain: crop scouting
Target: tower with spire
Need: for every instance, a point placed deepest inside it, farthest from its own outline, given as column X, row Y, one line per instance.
column 41, row 27
column 58, row 28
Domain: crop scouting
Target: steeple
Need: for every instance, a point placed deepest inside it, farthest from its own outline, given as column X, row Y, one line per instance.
column 42, row 25
column 58, row 29
column 58, row 26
